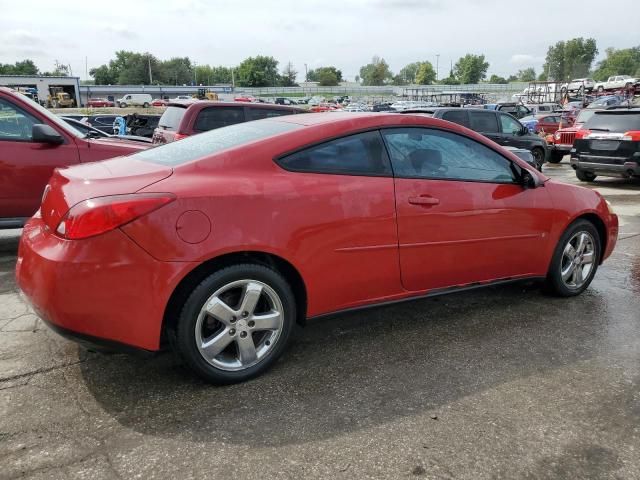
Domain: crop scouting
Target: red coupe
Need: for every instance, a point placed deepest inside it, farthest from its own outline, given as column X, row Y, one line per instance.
column 100, row 102
column 223, row 241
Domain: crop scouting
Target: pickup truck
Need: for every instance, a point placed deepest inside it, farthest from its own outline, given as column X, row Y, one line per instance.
column 34, row 142
column 617, row 82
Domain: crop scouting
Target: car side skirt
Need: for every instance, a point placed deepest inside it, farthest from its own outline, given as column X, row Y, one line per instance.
column 17, row 222
column 431, row 293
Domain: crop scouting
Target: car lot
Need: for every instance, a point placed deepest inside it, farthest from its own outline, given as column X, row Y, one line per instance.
column 497, row 383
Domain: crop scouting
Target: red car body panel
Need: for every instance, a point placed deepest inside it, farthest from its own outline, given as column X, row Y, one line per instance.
column 354, row 240
column 25, row 167
column 100, row 102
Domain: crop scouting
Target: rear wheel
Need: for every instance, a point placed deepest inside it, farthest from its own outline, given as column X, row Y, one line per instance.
column 538, row 157
column 146, row 105
column 236, row 323
column 556, row 157
column 585, row 176
column 575, row 260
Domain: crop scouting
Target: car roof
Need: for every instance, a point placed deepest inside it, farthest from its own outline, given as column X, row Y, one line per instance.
column 618, row 111
column 213, row 103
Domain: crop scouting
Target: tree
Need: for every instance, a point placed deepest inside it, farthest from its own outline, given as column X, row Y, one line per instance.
column 543, row 77
column 527, row 75
column 619, row 62
column 471, row 68
column 260, row 71
column 288, row 77
column 496, row 79
column 425, row 75
column 327, row 76
column 61, row 70
column 570, row 59
column 102, row 75
column 376, row 73
column 408, row 73
column 178, row 71
column 25, row 67
column 450, row 80
column 512, row 78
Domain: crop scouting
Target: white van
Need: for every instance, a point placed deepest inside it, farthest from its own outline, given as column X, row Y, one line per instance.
column 134, row 100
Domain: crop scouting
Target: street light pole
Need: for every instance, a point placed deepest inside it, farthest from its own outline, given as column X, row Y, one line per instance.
column 437, row 65
column 306, row 73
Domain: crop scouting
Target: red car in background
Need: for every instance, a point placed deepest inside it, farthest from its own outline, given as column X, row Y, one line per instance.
column 159, row 102
column 34, row 142
column 246, row 98
column 223, row 241
column 325, row 107
column 100, row 102
column 190, row 117
column 562, row 139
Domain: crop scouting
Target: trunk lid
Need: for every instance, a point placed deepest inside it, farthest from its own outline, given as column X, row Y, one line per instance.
column 118, row 176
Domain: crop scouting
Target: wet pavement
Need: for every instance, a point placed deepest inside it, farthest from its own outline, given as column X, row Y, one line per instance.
column 497, row 383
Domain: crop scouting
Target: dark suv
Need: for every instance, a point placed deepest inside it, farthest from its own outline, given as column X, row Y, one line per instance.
column 182, row 119
column 500, row 127
column 608, row 145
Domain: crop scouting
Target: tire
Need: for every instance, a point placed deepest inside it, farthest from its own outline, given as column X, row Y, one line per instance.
column 600, row 89
column 123, row 105
column 146, row 105
column 225, row 291
column 538, row 157
column 567, row 277
column 585, row 176
column 556, row 157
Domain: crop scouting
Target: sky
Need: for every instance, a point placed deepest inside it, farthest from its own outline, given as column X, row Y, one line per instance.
column 344, row 33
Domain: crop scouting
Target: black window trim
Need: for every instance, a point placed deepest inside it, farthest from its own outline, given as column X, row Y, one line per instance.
column 277, row 159
column 516, row 169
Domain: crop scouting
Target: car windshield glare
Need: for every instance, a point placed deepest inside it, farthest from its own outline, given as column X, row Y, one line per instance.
column 214, row 141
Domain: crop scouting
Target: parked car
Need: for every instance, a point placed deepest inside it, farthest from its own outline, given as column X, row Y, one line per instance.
column 142, row 125
column 181, row 97
column 183, row 119
column 516, row 109
column 159, row 102
column 580, row 85
column 325, row 107
column 500, row 127
column 607, row 101
column 245, row 230
column 135, row 100
column 561, row 142
column 608, row 145
column 34, row 143
column 100, row 102
column 538, row 108
column 616, row 82
column 90, row 132
column 545, row 123
column 284, row 101
column 104, row 123
column 245, row 99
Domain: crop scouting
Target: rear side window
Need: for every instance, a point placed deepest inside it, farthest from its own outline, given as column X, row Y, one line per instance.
column 359, row 154
column 456, row 116
column 218, row 117
column 483, row 122
column 15, row 123
column 614, row 122
column 509, row 124
column 172, row 117
column 260, row 113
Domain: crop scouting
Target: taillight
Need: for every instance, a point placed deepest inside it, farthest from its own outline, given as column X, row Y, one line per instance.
column 582, row 133
column 632, row 136
column 99, row 215
column 179, row 136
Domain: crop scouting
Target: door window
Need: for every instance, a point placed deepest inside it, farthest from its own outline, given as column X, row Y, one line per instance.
column 509, row 124
column 360, row 154
column 15, row 124
column 436, row 154
column 456, row 116
column 259, row 113
column 217, row 117
column 483, row 122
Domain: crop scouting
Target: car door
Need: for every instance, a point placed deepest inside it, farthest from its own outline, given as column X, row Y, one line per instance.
column 486, row 123
column 26, row 166
column 512, row 132
column 463, row 216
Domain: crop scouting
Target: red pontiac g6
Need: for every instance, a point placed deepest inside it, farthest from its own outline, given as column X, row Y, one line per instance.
column 223, row 241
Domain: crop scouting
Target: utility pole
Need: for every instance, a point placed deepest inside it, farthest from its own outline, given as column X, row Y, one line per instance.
column 86, row 68
column 306, row 73
column 233, row 78
column 195, row 73
column 437, row 64
column 150, row 76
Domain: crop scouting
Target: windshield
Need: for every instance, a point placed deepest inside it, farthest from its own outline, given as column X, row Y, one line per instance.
column 55, row 119
column 214, row 141
column 614, row 122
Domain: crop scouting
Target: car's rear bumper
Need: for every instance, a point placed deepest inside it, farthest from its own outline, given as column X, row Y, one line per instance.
column 558, row 147
column 105, row 287
column 612, row 166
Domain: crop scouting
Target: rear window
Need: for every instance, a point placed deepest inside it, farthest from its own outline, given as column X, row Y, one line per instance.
column 214, row 141
column 172, row 117
column 218, row 117
column 260, row 113
column 614, row 122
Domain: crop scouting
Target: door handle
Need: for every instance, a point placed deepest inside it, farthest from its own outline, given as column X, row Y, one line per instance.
column 424, row 200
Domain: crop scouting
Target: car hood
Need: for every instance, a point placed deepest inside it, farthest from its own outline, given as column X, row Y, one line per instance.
column 115, row 142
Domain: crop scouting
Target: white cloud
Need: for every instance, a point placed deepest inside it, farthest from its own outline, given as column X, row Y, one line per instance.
column 523, row 59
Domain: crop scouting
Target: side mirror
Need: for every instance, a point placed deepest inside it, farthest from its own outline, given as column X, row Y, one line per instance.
column 529, row 180
column 42, row 133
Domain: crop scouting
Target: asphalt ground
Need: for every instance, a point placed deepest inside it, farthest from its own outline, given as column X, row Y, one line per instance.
column 504, row 382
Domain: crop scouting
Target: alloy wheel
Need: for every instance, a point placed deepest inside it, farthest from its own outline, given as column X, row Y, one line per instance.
column 239, row 325
column 578, row 259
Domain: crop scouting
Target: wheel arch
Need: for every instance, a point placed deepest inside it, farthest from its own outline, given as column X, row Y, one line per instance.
column 600, row 227
column 206, row 268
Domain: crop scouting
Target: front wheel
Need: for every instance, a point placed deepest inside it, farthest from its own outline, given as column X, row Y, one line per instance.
column 236, row 323
column 585, row 176
column 145, row 105
column 575, row 260
column 538, row 158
